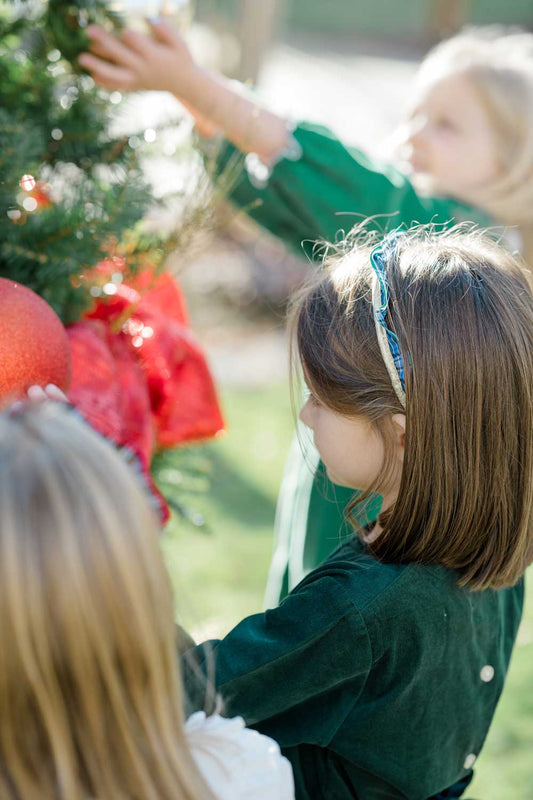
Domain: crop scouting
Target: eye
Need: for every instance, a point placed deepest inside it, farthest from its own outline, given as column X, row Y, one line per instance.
column 445, row 124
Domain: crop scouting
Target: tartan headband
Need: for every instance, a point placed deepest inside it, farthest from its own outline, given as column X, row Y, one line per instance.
column 389, row 344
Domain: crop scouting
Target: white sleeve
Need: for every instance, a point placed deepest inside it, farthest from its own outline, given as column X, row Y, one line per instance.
column 236, row 762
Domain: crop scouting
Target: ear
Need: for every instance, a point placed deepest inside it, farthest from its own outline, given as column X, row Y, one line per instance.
column 398, row 424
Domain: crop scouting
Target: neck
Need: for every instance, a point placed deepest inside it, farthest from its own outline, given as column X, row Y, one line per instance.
column 372, row 535
column 388, row 502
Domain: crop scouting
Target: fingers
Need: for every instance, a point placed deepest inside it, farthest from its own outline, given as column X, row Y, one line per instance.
column 101, row 52
column 108, row 47
column 137, row 43
column 53, row 392
column 133, row 61
column 109, row 75
column 38, row 394
column 119, row 58
column 165, row 33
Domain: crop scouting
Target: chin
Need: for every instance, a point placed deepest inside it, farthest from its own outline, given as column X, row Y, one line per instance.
column 338, row 480
column 427, row 184
column 333, row 478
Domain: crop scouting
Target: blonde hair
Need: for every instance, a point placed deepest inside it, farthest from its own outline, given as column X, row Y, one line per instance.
column 463, row 313
column 499, row 64
column 90, row 698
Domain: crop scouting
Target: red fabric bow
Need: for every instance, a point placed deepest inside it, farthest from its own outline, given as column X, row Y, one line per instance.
column 138, row 375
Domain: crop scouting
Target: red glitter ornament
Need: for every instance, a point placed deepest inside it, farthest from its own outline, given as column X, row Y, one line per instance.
column 34, row 347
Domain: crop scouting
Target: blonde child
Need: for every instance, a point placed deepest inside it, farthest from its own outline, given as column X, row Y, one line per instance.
column 469, row 142
column 379, row 674
column 90, row 695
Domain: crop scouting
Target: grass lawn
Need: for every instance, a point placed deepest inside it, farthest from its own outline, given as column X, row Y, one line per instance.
column 219, row 574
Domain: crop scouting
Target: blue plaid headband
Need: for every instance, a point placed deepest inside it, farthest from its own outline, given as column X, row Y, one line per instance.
column 387, row 339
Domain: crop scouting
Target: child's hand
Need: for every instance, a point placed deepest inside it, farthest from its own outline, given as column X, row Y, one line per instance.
column 133, row 61
column 50, row 392
column 39, row 394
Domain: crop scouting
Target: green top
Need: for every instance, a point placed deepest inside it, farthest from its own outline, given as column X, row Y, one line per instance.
column 312, row 195
column 379, row 681
column 325, row 187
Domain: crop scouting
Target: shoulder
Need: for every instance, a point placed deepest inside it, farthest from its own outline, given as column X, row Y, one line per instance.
column 236, row 762
column 386, row 590
column 356, row 575
column 413, row 603
column 393, row 601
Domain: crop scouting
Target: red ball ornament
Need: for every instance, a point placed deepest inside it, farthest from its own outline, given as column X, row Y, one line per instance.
column 34, row 348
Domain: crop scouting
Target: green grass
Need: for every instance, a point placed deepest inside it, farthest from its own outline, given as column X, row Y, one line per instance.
column 219, row 575
column 504, row 770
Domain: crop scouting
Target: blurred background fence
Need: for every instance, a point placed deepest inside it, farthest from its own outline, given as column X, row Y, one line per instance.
column 255, row 23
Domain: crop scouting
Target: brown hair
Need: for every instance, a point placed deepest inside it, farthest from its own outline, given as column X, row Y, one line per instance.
column 463, row 312
column 90, row 698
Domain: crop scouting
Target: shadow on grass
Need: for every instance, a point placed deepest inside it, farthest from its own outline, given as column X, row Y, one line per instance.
column 206, row 480
column 237, row 496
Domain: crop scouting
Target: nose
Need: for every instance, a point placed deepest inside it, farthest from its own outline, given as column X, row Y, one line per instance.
column 306, row 414
column 416, row 128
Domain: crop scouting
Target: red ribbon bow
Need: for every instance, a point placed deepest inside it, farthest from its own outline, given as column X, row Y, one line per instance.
column 139, row 377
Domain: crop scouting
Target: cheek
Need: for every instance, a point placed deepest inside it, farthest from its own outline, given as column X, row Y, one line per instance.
column 440, row 154
column 489, row 163
column 447, row 150
column 366, row 456
column 304, row 415
column 475, row 158
column 309, row 413
column 375, row 455
column 458, row 164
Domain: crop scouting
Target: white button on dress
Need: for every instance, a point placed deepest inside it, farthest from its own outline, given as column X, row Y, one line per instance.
column 469, row 761
column 487, row 673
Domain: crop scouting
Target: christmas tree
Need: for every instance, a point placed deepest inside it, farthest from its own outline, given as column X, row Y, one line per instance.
column 68, row 188
column 73, row 198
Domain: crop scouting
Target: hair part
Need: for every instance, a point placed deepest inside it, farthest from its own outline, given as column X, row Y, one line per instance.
column 90, row 697
column 463, row 313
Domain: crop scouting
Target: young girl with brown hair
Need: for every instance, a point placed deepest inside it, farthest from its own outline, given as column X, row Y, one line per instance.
column 468, row 143
column 90, row 695
column 379, row 674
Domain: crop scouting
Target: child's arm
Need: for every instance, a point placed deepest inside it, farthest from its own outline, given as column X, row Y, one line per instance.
column 309, row 648
column 331, row 188
column 328, row 188
column 164, row 63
